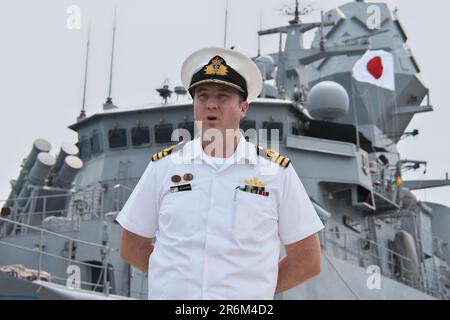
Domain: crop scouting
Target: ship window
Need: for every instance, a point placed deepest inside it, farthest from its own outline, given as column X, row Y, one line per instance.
column 247, row 124
column 296, row 129
column 189, row 126
column 350, row 223
column 163, row 133
column 96, row 280
column 140, row 136
column 96, row 143
column 272, row 125
column 85, row 149
column 117, row 138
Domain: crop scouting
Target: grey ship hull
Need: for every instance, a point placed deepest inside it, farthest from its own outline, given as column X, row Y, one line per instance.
column 348, row 280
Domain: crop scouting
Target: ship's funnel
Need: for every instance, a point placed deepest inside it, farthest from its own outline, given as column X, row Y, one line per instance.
column 66, row 175
column 39, row 145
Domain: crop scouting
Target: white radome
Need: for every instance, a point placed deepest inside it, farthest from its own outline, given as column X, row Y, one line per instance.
column 328, row 100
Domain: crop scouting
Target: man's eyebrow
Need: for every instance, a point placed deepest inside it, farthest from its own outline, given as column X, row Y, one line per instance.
column 225, row 89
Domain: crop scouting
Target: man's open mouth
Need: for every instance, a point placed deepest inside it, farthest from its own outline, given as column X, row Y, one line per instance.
column 210, row 118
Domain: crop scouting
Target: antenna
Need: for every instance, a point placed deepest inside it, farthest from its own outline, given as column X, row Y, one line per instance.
column 109, row 99
column 296, row 12
column 164, row 91
column 83, row 110
column 299, row 10
column 180, row 91
column 226, row 24
column 322, row 44
column 260, row 29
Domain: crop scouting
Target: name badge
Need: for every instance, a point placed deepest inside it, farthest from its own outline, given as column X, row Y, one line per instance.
column 182, row 187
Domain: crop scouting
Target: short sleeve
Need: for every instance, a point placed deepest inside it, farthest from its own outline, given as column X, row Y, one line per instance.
column 140, row 213
column 297, row 217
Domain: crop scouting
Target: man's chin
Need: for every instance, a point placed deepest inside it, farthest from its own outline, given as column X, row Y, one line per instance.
column 212, row 125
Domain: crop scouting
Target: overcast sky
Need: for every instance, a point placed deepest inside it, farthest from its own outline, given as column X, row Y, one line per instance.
column 42, row 65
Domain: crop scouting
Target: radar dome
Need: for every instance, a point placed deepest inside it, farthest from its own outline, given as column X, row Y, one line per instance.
column 266, row 65
column 328, row 100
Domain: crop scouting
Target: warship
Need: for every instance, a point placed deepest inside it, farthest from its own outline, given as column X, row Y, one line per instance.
column 59, row 238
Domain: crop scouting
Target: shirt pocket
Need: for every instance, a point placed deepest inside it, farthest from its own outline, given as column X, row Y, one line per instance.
column 255, row 216
column 179, row 214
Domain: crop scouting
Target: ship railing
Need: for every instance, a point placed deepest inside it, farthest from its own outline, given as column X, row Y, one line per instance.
column 69, row 204
column 365, row 252
column 71, row 244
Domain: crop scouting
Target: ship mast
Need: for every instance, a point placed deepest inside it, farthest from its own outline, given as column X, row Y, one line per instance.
column 226, row 25
column 109, row 103
column 83, row 107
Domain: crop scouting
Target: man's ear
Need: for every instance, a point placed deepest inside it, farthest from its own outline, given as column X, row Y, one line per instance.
column 244, row 107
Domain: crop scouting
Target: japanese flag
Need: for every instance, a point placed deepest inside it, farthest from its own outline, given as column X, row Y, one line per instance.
column 376, row 67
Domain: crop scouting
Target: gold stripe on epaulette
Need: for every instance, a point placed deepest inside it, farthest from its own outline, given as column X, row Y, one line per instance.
column 280, row 158
column 169, row 149
column 165, row 152
column 285, row 162
column 274, row 156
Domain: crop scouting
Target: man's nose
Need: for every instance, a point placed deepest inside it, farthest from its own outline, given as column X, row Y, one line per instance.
column 212, row 104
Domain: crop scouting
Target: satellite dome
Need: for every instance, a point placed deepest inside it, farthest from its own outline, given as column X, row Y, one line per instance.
column 328, row 100
column 269, row 91
column 266, row 65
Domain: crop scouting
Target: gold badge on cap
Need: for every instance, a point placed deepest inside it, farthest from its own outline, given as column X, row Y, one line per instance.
column 176, row 178
column 188, row 177
column 216, row 67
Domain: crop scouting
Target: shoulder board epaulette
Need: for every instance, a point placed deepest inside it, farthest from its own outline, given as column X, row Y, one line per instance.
column 273, row 156
column 165, row 152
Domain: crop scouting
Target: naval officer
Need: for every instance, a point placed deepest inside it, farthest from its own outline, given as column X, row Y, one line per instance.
column 208, row 218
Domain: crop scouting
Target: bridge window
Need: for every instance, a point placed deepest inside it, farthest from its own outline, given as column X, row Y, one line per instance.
column 96, row 143
column 85, row 149
column 247, row 124
column 117, row 138
column 273, row 125
column 163, row 133
column 189, row 126
column 140, row 136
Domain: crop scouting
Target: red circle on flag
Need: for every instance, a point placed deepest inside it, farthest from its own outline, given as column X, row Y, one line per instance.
column 375, row 67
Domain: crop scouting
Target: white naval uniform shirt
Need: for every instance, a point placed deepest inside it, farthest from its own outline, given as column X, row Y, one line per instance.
column 216, row 241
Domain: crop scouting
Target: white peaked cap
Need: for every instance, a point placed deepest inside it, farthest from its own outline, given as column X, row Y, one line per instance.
column 239, row 62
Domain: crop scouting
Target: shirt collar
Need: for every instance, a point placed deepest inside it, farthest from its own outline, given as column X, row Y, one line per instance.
column 193, row 150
